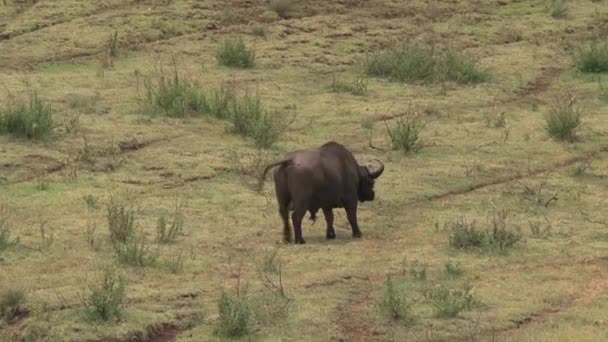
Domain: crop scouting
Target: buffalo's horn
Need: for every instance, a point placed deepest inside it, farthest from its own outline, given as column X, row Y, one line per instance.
column 378, row 172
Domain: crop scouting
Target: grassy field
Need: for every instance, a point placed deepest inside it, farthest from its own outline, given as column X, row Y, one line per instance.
column 489, row 221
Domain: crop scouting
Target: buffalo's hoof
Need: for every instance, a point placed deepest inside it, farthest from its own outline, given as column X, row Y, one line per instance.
column 330, row 236
column 357, row 235
column 300, row 241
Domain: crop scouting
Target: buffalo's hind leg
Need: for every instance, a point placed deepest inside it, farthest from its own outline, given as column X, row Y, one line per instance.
column 351, row 215
column 329, row 219
column 297, row 216
column 284, row 201
column 284, row 212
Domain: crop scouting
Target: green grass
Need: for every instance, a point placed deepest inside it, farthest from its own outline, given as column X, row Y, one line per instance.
column 32, row 119
column 106, row 299
column 395, row 303
column 12, row 303
column 235, row 53
column 465, row 169
column 234, row 316
column 405, row 133
column 448, row 302
column 563, row 119
column 414, row 62
column 592, row 57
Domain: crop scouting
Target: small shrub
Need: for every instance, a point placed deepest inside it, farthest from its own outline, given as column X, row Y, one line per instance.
column 32, row 120
column 593, row 57
column 357, row 88
column 453, row 270
column 173, row 96
column 106, row 300
column 500, row 234
column 234, row 53
column 250, row 119
column 121, row 223
column 405, row 134
column 495, row 119
column 454, row 66
column 559, row 8
column 464, row 234
column 448, row 302
column 394, row 303
column 408, row 63
column 270, row 262
column 282, row 7
column 135, row 251
column 168, row 234
column 414, row 62
column 538, row 230
column 12, row 302
column 563, row 119
column 234, row 316
column 6, row 239
column 259, row 31
column 580, row 167
column 174, row 262
column 112, row 44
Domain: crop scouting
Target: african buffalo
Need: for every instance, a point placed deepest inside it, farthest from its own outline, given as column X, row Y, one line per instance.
column 324, row 178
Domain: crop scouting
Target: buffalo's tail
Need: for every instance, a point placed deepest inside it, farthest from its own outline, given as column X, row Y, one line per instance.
column 263, row 176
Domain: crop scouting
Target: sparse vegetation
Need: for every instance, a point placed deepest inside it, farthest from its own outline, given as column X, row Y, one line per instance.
column 453, row 270
column 121, row 222
column 136, row 251
column 250, row 119
column 6, row 239
column 417, row 63
column 31, row 120
column 12, row 303
column 284, row 8
column 563, row 119
column 465, row 234
column 234, row 53
column 448, row 302
column 394, row 302
column 592, row 57
column 358, row 87
column 234, row 315
column 106, row 299
column 167, row 233
column 559, row 9
column 499, row 235
column 405, row 134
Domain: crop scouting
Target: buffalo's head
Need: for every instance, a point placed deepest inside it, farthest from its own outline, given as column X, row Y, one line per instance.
column 367, row 178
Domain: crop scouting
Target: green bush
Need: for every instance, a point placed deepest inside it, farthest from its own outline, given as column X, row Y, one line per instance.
column 173, row 96
column 405, row 134
column 234, row 53
column 6, row 239
column 464, row 234
column 106, row 300
column 12, row 302
column 500, row 235
column 558, row 8
column 358, row 87
column 250, row 119
column 283, row 8
column 135, row 251
column 417, row 63
column 121, row 222
column 394, row 302
column 593, row 57
column 234, row 316
column 563, row 119
column 448, row 302
column 32, row 120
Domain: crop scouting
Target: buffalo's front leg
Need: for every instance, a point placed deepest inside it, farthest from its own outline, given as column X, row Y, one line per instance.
column 329, row 219
column 297, row 217
column 351, row 215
